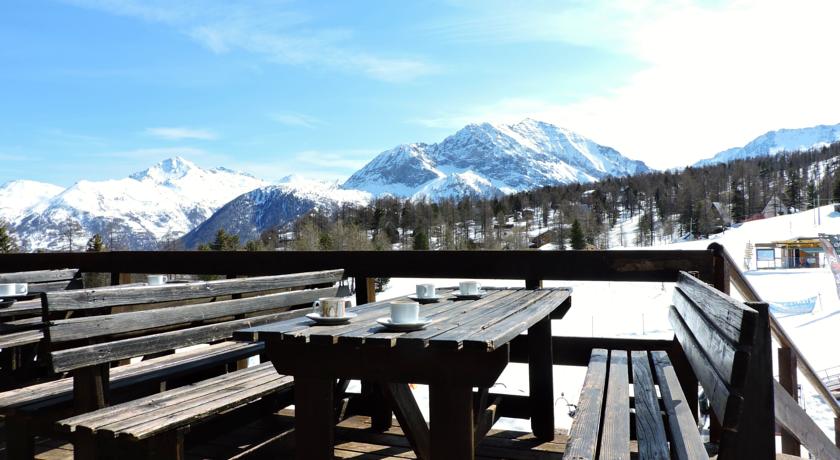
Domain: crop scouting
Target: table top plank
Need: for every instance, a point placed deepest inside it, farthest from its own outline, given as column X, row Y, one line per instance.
column 454, row 338
column 483, row 324
column 444, row 314
column 511, row 326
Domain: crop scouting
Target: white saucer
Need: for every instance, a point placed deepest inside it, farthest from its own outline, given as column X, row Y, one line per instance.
column 477, row 295
column 330, row 320
column 404, row 327
column 425, row 299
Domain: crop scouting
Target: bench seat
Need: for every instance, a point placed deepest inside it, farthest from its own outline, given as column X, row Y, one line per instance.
column 179, row 408
column 663, row 424
column 60, row 391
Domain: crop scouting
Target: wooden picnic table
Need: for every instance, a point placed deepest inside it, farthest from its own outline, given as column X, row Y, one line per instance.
column 466, row 345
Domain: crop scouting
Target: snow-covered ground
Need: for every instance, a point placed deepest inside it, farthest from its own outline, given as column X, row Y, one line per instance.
column 643, row 310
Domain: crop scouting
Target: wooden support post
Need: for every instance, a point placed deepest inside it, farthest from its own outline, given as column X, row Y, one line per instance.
column 451, row 421
column 411, row 420
column 533, row 284
column 166, row 446
column 788, row 380
column 365, row 290
column 20, row 440
column 540, row 379
column 720, row 276
column 380, row 411
column 90, row 388
column 757, row 436
column 314, row 427
column 837, row 431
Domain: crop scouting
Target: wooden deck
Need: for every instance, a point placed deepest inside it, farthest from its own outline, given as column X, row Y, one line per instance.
column 272, row 437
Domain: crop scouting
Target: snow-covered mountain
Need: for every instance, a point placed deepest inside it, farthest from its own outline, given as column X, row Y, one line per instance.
column 486, row 159
column 249, row 214
column 18, row 197
column 783, row 140
column 162, row 202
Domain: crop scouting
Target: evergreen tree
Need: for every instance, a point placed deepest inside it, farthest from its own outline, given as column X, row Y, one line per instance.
column 254, row 245
column 224, row 241
column 739, row 203
column 835, row 193
column 577, row 239
column 793, row 190
column 7, row 240
column 95, row 244
column 421, row 241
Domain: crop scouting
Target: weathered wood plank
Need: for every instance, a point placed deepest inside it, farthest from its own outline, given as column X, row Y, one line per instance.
column 685, row 438
column 615, row 437
column 733, row 319
column 19, row 339
column 794, row 419
column 452, row 423
column 128, row 348
column 650, row 432
column 541, row 378
column 39, row 276
column 720, row 397
column 728, row 357
column 584, row 433
column 85, row 299
column 105, row 325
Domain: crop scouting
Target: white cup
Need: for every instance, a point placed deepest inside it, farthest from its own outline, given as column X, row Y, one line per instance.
column 425, row 291
column 469, row 287
column 156, row 280
column 13, row 289
column 404, row 312
column 330, row 307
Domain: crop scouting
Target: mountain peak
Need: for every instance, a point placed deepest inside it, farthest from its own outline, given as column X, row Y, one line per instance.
column 167, row 170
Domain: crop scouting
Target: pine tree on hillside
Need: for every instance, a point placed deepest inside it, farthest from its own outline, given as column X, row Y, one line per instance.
column 835, row 193
column 7, row 240
column 421, row 241
column 577, row 239
column 95, row 244
column 224, row 241
column 739, row 203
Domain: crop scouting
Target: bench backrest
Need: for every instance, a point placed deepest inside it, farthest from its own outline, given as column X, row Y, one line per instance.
column 718, row 336
column 46, row 280
column 79, row 342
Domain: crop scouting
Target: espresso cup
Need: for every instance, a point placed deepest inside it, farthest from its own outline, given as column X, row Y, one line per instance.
column 330, row 307
column 469, row 287
column 13, row 289
column 425, row 291
column 404, row 312
column 156, row 280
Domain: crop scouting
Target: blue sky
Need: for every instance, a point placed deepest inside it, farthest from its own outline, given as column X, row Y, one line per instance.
column 97, row 89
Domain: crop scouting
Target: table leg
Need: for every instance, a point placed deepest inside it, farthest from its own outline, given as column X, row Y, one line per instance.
column 380, row 411
column 451, row 421
column 314, row 421
column 540, row 379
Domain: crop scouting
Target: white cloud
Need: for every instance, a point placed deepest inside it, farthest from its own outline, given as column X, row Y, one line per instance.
column 154, row 153
column 179, row 133
column 716, row 77
column 270, row 30
column 332, row 165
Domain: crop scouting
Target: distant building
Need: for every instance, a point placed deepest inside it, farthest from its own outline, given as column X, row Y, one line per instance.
column 802, row 252
column 774, row 208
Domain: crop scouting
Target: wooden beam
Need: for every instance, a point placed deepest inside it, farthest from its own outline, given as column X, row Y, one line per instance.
column 576, row 351
column 411, row 419
column 794, row 419
column 314, row 428
column 451, row 421
column 788, row 381
column 633, row 265
column 540, row 379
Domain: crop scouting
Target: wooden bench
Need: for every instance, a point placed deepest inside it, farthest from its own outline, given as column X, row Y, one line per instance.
column 153, row 323
column 46, row 280
column 726, row 345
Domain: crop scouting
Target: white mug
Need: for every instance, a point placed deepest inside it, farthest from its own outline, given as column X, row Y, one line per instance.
column 404, row 311
column 469, row 287
column 425, row 291
column 330, row 307
column 13, row 289
column 156, row 280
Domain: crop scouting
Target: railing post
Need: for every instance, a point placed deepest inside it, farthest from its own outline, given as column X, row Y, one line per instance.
column 380, row 410
column 533, row 284
column 837, row 431
column 757, row 436
column 365, row 290
column 788, row 380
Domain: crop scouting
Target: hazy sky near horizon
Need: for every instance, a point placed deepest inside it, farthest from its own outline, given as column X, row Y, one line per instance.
column 98, row 89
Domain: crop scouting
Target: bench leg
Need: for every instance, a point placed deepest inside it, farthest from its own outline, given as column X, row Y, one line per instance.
column 314, row 427
column 84, row 445
column 166, row 446
column 540, row 379
column 19, row 439
column 451, row 421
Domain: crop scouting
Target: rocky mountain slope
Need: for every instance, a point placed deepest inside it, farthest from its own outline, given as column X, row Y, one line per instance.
column 485, row 159
column 136, row 212
column 772, row 142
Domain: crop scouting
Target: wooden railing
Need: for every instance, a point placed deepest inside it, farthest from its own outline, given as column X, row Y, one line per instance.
column 798, row 427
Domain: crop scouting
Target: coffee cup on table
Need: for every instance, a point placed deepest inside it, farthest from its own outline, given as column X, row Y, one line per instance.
column 330, row 307
column 425, row 291
column 156, row 280
column 403, row 311
column 469, row 287
column 13, row 289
